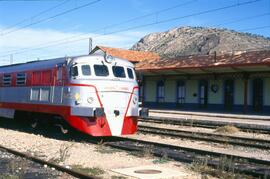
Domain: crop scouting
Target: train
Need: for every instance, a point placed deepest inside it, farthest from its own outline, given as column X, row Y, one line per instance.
column 95, row 94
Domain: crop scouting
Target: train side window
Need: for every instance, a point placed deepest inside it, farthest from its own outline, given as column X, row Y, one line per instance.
column 101, row 70
column 7, row 79
column 86, row 71
column 130, row 73
column 20, row 79
column 119, row 71
column 74, row 71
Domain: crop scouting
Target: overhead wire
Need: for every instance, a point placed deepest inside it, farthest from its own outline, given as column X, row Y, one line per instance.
column 256, row 28
column 51, row 17
column 146, row 25
column 243, row 19
column 34, row 16
column 112, row 25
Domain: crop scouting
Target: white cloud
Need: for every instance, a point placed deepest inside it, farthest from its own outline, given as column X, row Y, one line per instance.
column 27, row 40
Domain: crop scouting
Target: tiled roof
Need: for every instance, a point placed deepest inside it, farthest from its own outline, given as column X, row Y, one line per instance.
column 131, row 55
column 241, row 59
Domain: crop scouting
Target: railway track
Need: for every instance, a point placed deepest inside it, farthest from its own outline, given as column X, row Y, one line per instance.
column 209, row 137
column 47, row 163
column 217, row 115
column 205, row 123
column 244, row 165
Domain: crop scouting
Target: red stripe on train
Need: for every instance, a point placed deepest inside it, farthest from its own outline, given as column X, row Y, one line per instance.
column 92, row 126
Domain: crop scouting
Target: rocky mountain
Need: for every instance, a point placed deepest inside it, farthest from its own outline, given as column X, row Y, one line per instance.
column 199, row 40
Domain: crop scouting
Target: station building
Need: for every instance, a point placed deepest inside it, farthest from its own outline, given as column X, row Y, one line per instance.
column 233, row 82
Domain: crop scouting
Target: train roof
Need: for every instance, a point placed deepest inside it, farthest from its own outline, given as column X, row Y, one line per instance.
column 42, row 64
column 50, row 63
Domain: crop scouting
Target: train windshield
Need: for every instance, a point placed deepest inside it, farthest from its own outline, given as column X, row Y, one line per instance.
column 119, row 71
column 86, row 70
column 130, row 73
column 101, row 70
column 74, row 71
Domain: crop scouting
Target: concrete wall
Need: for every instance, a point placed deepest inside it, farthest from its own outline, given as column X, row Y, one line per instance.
column 239, row 92
column 267, row 91
column 215, row 98
column 150, row 90
column 191, row 91
column 170, row 91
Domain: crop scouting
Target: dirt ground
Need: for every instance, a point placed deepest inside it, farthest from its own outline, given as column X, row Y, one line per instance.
column 99, row 160
column 211, row 146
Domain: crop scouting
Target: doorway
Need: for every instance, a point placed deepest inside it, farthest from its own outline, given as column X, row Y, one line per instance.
column 228, row 94
column 257, row 95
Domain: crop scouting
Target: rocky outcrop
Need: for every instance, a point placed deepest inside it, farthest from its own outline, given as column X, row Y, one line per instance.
column 198, row 40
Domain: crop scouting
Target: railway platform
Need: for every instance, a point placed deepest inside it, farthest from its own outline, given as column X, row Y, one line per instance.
column 248, row 119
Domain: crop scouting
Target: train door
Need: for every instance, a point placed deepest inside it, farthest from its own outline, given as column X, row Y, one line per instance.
column 228, row 94
column 257, row 94
column 58, row 84
column 203, row 94
column 181, row 93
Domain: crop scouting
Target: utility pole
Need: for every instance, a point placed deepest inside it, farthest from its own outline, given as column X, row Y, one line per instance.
column 11, row 59
column 90, row 45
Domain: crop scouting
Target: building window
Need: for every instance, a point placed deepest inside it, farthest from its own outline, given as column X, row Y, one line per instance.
column 160, row 91
column 7, row 79
column 20, row 79
column 181, row 92
column 203, row 93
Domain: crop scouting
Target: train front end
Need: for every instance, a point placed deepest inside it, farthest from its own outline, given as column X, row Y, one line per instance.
column 103, row 96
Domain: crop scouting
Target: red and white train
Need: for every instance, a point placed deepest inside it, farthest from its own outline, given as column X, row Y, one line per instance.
column 95, row 94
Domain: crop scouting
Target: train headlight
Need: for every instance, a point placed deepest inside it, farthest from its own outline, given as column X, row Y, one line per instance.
column 90, row 100
column 77, row 96
column 109, row 58
column 78, row 99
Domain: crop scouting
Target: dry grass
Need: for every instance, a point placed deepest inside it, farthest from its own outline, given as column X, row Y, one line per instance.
column 95, row 171
column 9, row 177
column 228, row 129
column 63, row 154
column 224, row 170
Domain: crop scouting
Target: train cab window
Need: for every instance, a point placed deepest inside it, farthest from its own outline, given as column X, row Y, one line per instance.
column 101, row 70
column 20, row 79
column 130, row 73
column 119, row 71
column 7, row 79
column 86, row 71
column 74, row 71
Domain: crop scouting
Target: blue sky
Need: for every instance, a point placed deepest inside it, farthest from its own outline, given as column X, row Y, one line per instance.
column 35, row 41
